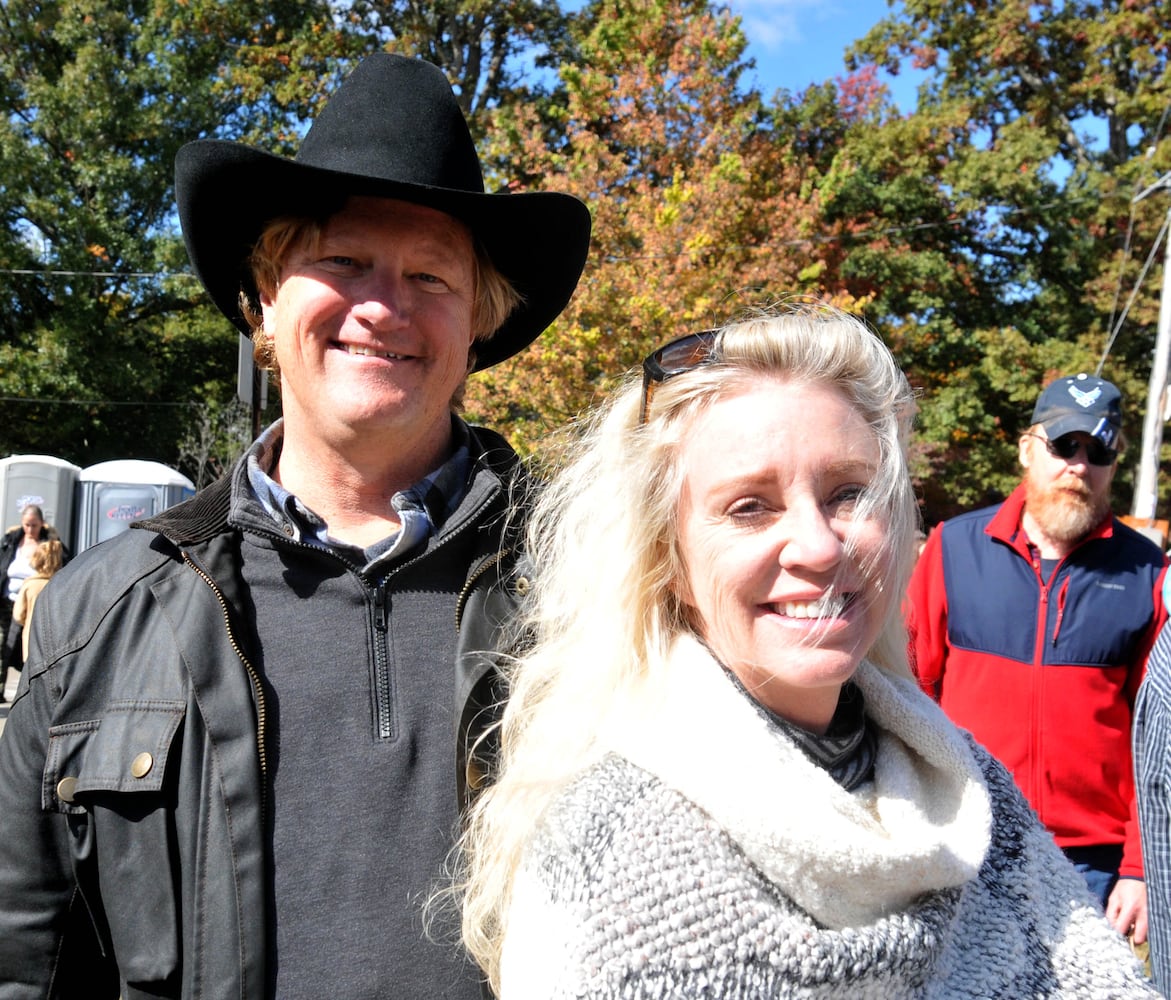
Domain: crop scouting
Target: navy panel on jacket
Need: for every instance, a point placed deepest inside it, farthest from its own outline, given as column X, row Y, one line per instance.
column 1103, row 582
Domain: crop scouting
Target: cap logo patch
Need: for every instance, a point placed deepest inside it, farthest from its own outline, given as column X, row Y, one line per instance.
column 1085, row 399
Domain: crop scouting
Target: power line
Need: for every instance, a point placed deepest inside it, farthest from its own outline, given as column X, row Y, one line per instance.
column 819, row 239
column 1115, row 327
column 95, row 274
column 1138, row 283
column 96, row 402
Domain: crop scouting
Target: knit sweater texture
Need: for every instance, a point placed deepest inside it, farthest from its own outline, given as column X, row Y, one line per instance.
column 704, row 856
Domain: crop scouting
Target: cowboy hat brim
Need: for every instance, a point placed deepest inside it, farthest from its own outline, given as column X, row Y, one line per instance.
column 227, row 192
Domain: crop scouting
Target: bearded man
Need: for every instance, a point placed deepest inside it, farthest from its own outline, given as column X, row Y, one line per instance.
column 1030, row 622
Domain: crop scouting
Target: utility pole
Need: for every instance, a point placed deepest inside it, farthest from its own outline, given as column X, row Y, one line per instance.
column 251, row 383
column 1146, row 490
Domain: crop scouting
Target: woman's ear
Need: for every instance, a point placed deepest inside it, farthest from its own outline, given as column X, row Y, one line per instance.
column 681, row 588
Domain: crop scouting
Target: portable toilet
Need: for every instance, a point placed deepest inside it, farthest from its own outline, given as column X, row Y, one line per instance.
column 113, row 494
column 43, row 481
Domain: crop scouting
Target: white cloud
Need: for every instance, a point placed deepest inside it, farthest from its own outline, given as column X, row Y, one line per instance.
column 771, row 25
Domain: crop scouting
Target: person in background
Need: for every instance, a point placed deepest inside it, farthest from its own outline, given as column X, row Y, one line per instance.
column 1031, row 622
column 45, row 561
column 239, row 757
column 1152, row 765
column 16, row 550
column 719, row 778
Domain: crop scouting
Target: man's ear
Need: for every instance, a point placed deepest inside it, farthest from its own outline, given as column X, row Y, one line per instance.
column 1024, row 450
column 266, row 311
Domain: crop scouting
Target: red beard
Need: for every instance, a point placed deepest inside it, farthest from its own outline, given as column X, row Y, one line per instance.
column 1066, row 510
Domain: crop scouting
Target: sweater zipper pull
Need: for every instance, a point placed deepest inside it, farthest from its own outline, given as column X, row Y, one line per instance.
column 1060, row 609
column 380, row 608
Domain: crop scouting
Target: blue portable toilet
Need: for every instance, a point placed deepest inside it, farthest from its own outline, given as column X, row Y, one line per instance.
column 43, row 481
column 113, row 494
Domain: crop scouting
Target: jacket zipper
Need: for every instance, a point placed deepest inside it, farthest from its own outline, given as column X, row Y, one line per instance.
column 473, row 578
column 254, row 679
column 1031, row 786
column 1034, row 787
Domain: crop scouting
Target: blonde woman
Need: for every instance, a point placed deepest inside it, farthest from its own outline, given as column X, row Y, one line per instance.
column 718, row 776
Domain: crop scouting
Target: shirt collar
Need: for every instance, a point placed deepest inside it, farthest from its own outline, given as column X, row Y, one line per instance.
column 422, row 508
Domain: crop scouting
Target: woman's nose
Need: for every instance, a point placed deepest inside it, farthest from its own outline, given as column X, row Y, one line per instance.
column 810, row 539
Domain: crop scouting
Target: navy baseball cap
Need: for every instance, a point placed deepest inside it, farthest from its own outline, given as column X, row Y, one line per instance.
column 1081, row 403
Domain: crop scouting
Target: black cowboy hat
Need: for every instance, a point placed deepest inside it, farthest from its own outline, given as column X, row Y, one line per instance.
column 393, row 129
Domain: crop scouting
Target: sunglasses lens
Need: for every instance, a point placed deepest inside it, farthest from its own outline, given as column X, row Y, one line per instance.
column 677, row 357
column 685, row 354
column 1098, row 454
column 1066, row 446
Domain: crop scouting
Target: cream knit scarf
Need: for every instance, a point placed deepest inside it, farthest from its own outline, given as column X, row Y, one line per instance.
column 845, row 858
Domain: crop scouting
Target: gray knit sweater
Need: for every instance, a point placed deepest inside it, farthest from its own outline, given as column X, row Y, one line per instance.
column 705, row 857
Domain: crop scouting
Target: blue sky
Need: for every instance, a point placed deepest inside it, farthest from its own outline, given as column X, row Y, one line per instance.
column 800, row 42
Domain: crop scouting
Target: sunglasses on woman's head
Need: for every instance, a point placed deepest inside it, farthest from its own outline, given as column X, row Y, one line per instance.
column 1066, row 446
column 679, row 356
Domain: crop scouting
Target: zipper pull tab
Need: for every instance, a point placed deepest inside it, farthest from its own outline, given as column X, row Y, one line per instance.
column 1060, row 609
column 380, row 608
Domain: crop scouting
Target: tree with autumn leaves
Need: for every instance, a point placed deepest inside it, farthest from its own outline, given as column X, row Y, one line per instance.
column 988, row 233
column 699, row 212
column 1021, row 245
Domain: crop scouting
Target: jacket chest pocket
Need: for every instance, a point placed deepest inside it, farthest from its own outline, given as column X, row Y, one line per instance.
column 107, row 776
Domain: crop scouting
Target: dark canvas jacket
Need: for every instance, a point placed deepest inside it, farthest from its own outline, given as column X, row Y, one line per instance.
column 132, row 768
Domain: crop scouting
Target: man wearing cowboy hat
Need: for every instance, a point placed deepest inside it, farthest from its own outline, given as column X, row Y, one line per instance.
column 245, row 733
column 1031, row 622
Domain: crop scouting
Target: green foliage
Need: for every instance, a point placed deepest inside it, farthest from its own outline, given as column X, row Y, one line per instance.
column 105, row 346
column 488, row 48
column 990, row 234
column 1010, row 187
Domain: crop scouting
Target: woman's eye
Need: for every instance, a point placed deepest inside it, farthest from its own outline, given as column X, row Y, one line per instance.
column 847, row 497
column 746, row 509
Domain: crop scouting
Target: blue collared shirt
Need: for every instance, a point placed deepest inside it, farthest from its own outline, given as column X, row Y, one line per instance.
column 422, row 509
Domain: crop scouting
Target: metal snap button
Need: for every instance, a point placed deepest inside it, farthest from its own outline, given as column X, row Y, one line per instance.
column 66, row 788
column 141, row 765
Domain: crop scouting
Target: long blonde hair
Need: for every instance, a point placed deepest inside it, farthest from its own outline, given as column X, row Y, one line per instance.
column 604, row 611
column 47, row 557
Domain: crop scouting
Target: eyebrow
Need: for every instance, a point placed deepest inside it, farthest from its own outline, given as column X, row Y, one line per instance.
column 432, row 246
column 753, row 478
column 850, row 467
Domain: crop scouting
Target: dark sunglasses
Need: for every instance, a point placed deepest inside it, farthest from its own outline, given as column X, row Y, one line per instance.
column 679, row 356
column 1066, row 446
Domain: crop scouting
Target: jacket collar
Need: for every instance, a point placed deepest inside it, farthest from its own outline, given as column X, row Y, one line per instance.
column 206, row 514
